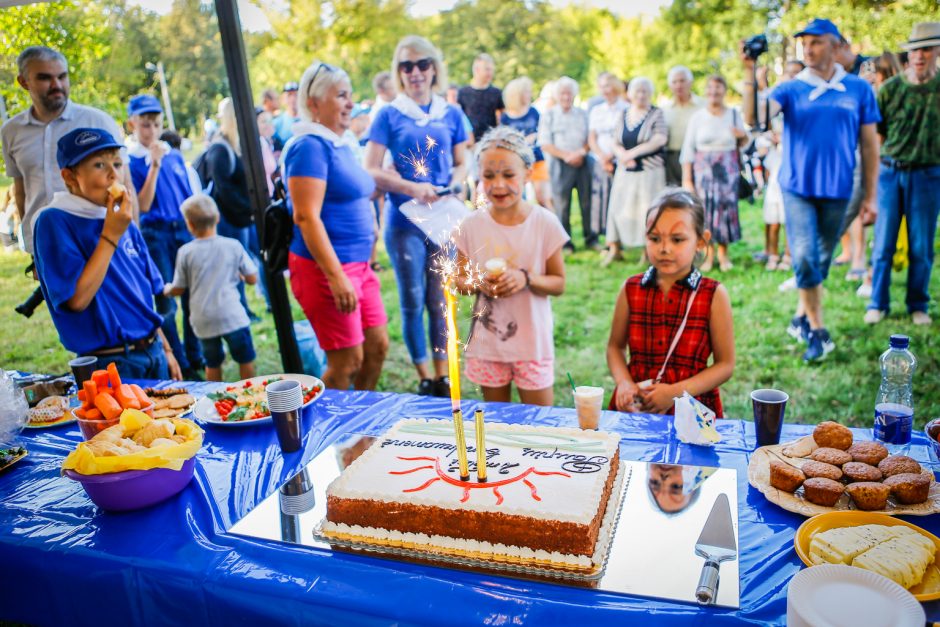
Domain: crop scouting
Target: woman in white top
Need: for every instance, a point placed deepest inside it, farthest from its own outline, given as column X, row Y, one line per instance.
column 711, row 165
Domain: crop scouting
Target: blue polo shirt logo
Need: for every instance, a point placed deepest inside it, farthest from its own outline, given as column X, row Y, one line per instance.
column 128, row 247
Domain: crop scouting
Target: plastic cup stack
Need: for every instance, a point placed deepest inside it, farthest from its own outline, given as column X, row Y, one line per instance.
column 285, row 399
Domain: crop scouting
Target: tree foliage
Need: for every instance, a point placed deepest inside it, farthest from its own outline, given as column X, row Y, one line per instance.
column 108, row 43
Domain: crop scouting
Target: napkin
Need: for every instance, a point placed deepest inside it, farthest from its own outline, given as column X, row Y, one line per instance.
column 694, row 422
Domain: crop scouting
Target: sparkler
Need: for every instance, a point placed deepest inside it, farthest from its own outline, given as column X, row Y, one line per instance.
column 453, row 364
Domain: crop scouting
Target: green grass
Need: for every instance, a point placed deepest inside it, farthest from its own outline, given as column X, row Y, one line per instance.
column 841, row 388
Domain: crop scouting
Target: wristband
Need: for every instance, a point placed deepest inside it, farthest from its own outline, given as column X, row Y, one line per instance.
column 526, row 274
column 108, row 239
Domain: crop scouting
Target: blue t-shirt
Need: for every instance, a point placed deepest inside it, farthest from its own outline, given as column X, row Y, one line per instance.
column 283, row 129
column 347, row 213
column 171, row 190
column 820, row 136
column 423, row 154
column 527, row 124
column 122, row 310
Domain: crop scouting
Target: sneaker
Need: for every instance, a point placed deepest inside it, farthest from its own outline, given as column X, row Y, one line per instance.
column 864, row 290
column 761, row 257
column 789, row 284
column 920, row 317
column 818, row 345
column 442, row 387
column 798, row 328
column 855, row 274
column 426, row 387
column 874, row 316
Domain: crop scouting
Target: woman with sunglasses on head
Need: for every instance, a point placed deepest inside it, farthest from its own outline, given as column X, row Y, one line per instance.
column 427, row 142
column 334, row 230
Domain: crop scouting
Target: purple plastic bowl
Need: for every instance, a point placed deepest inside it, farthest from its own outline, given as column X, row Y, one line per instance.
column 134, row 489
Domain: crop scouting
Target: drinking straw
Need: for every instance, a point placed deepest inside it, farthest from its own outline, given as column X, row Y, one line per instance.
column 570, row 380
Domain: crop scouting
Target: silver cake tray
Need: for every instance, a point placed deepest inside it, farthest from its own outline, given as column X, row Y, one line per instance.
column 499, row 562
column 650, row 552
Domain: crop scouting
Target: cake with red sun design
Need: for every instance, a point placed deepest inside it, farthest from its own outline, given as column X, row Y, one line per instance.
column 543, row 504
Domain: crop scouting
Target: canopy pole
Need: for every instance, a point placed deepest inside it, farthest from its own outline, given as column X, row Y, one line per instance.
column 236, row 66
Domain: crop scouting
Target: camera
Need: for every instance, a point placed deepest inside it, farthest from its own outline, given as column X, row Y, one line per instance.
column 27, row 307
column 755, row 46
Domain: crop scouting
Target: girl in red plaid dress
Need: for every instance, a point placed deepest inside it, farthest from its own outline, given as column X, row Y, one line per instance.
column 671, row 317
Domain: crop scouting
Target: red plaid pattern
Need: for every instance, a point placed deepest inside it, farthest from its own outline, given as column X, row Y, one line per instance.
column 653, row 322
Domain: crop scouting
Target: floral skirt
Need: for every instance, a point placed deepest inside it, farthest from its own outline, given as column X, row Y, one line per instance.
column 716, row 183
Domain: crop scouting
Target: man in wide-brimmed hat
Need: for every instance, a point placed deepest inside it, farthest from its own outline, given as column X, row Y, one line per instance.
column 909, row 183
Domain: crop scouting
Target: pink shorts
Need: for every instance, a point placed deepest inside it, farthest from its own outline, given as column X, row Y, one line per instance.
column 336, row 330
column 527, row 375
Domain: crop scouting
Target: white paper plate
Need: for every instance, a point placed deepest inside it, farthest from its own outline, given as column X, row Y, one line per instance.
column 837, row 595
column 204, row 410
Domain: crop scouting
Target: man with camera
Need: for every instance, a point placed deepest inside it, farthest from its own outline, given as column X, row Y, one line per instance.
column 30, row 138
column 827, row 113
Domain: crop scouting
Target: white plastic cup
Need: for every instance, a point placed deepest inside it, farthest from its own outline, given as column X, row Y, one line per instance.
column 285, row 396
column 588, row 401
column 495, row 267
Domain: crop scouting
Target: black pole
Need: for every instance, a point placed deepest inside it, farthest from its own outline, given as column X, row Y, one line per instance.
column 236, row 66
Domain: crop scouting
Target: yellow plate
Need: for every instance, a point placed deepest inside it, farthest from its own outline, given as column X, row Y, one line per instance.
column 927, row 590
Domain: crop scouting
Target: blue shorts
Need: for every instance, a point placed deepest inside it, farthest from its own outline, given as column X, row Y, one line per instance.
column 239, row 344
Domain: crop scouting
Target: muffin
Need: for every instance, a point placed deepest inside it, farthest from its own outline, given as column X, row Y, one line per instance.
column 832, row 435
column 868, row 452
column 908, row 488
column 869, row 495
column 785, row 477
column 898, row 464
column 833, row 456
column 857, row 471
column 822, row 491
column 821, row 469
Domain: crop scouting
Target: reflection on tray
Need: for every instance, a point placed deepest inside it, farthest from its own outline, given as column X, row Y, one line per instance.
column 651, row 552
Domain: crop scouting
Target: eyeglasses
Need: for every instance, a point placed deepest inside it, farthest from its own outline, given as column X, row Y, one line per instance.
column 421, row 64
column 322, row 66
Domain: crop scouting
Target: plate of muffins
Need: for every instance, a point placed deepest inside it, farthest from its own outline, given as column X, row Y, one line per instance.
column 830, row 470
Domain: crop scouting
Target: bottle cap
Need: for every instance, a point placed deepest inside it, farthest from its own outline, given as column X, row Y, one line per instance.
column 900, row 341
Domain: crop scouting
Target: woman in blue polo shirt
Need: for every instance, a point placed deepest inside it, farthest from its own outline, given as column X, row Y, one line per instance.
column 334, row 230
column 93, row 265
column 427, row 142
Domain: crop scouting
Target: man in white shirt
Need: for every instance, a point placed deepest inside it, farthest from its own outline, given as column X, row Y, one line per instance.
column 677, row 113
column 30, row 138
column 603, row 120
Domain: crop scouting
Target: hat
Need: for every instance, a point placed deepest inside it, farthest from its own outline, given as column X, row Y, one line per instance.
column 820, row 26
column 923, row 35
column 358, row 110
column 82, row 142
column 291, row 86
column 143, row 103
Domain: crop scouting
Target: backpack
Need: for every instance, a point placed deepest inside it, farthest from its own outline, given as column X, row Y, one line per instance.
column 277, row 230
column 237, row 218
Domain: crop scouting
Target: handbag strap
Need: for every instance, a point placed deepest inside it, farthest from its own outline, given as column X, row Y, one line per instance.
column 675, row 338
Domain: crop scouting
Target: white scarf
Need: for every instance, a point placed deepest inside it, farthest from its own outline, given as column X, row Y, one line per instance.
column 136, row 149
column 820, row 84
column 315, row 128
column 75, row 205
column 410, row 108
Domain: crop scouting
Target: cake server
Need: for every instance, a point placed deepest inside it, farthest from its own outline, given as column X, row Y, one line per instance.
column 716, row 544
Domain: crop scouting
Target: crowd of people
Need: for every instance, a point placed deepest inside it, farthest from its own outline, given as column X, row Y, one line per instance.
column 657, row 177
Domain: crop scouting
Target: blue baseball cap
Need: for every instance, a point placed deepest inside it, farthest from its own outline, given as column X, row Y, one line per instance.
column 358, row 110
column 820, row 26
column 143, row 103
column 82, row 142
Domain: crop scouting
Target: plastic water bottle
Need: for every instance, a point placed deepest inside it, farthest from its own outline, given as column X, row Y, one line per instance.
column 894, row 406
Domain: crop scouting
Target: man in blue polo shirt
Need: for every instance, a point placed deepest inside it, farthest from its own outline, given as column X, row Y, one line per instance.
column 162, row 183
column 827, row 114
column 93, row 265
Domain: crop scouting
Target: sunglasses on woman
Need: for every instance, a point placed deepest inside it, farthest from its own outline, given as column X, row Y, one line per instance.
column 322, row 66
column 421, row 64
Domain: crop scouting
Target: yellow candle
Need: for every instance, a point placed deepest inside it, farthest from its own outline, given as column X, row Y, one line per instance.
column 453, row 346
column 461, row 446
column 481, row 446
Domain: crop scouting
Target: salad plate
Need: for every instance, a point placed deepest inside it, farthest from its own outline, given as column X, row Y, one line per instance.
column 244, row 403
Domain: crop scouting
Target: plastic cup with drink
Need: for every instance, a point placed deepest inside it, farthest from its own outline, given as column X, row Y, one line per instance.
column 495, row 267
column 588, row 401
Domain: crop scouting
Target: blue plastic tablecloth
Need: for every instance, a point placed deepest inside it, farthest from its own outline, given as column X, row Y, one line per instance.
column 64, row 561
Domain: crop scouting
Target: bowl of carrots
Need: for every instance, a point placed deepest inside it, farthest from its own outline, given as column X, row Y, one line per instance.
column 104, row 397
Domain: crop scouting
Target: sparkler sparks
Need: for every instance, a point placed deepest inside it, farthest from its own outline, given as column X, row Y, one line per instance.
column 431, row 143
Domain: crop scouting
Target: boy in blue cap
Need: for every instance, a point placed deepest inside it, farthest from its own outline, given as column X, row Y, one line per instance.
column 827, row 114
column 162, row 183
column 93, row 264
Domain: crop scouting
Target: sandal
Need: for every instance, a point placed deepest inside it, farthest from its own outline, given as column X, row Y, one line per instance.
column 772, row 262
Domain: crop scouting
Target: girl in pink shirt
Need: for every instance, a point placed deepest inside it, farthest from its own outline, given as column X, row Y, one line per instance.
column 509, row 255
